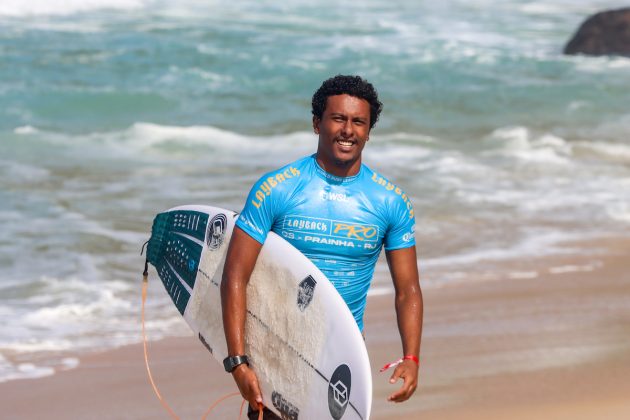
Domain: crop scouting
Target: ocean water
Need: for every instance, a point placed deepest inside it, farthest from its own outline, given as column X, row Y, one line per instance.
column 114, row 110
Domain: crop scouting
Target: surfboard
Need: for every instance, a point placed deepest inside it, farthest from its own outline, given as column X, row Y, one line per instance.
column 302, row 340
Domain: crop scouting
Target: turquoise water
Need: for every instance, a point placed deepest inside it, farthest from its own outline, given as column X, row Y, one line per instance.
column 111, row 111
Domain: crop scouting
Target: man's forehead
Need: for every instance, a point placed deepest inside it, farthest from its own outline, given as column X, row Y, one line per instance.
column 347, row 103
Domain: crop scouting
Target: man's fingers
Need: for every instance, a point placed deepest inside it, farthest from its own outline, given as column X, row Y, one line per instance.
column 247, row 383
column 409, row 374
column 403, row 393
column 255, row 402
column 395, row 375
column 255, row 398
column 398, row 373
column 395, row 397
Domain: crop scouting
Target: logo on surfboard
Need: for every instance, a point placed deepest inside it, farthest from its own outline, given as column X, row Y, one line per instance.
column 339, row 391
column 215, row 233
column 306, row 290
column 288, row 410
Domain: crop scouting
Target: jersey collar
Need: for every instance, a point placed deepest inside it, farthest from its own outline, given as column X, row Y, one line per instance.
column 334, row 179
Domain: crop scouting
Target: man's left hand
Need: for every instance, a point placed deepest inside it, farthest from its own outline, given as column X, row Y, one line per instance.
column 408, row 371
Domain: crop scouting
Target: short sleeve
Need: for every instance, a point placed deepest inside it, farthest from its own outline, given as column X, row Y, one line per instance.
column 402, row 225
column 257, row 216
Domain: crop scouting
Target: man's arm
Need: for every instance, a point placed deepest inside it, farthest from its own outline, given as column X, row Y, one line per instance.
column 403, row 267
column 239, row 264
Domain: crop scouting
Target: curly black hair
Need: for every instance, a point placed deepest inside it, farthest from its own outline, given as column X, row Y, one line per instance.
column 350, row 85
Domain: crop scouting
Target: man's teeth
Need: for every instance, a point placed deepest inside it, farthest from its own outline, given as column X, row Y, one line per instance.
column 344, row 143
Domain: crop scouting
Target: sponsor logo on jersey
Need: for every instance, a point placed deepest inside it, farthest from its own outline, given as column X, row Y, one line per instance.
column 392, row 187
column 329, row 241
column 245, row 220
column 332, row 232
column 409, row 236
column 354, row 231
column 331, row 196
column 306, row 224
column 267, row 186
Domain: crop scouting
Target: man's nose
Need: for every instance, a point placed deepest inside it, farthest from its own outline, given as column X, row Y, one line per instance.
column 347, row 129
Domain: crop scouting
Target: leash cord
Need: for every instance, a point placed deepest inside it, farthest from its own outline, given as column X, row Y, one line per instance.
column 145, row 284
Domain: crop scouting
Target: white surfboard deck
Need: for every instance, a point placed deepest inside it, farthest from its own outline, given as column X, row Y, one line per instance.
column 302, row 340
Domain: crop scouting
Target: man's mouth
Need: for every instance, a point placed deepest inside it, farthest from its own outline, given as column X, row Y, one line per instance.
column 345, row 143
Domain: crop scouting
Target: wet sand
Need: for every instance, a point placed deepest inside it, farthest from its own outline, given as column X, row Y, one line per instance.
column 556, row 346
column 543, row 338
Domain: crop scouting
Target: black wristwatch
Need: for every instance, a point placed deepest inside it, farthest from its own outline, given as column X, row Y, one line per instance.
column 231, row 362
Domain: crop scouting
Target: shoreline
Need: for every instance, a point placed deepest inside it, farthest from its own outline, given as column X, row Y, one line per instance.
column 553, row 346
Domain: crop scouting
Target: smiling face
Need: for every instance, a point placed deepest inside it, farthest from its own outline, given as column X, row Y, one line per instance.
column 343, row 131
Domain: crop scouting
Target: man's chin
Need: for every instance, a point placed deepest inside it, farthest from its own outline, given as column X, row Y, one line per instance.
column 344, row 162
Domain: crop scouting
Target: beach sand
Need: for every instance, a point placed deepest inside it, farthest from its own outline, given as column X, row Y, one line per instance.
column 543, row 338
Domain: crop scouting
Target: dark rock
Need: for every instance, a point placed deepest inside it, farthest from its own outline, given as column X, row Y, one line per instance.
column 604, row 33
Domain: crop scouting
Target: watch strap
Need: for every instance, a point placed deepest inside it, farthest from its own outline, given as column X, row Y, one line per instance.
column 232, row 362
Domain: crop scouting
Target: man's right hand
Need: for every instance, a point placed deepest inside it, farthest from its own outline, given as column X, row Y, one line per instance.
column 247, row 383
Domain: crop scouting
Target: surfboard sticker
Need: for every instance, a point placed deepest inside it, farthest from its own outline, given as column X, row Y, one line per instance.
column 216, row 231
column 306, row 290
column 286, row 409
column 339, row 388
column 303, row 342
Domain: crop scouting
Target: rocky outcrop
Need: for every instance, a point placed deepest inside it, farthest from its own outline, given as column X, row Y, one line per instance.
column 604, row 33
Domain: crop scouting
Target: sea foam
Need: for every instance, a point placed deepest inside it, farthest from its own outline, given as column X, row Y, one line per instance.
column 19, row 8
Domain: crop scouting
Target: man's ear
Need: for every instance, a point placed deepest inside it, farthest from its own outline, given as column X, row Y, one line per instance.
column 315, row 125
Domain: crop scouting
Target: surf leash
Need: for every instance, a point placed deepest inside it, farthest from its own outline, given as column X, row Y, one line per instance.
column 145, row 285
column 219, row 401
column 240, row 413
column 399, row 361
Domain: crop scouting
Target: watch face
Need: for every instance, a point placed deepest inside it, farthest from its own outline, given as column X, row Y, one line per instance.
column 227, row 365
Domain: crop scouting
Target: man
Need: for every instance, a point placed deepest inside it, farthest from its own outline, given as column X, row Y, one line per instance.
column 367, row 210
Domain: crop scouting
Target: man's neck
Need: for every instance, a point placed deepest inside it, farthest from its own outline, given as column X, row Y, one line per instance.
column 342, row 169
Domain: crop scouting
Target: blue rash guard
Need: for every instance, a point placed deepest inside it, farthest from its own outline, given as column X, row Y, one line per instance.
column 340, row 224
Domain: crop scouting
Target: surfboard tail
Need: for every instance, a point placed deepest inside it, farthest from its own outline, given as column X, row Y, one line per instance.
column 157, row 242
column 174, row 249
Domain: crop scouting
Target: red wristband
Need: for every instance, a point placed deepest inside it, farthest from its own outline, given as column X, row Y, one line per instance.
column 412, row 357
column 397, row 362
